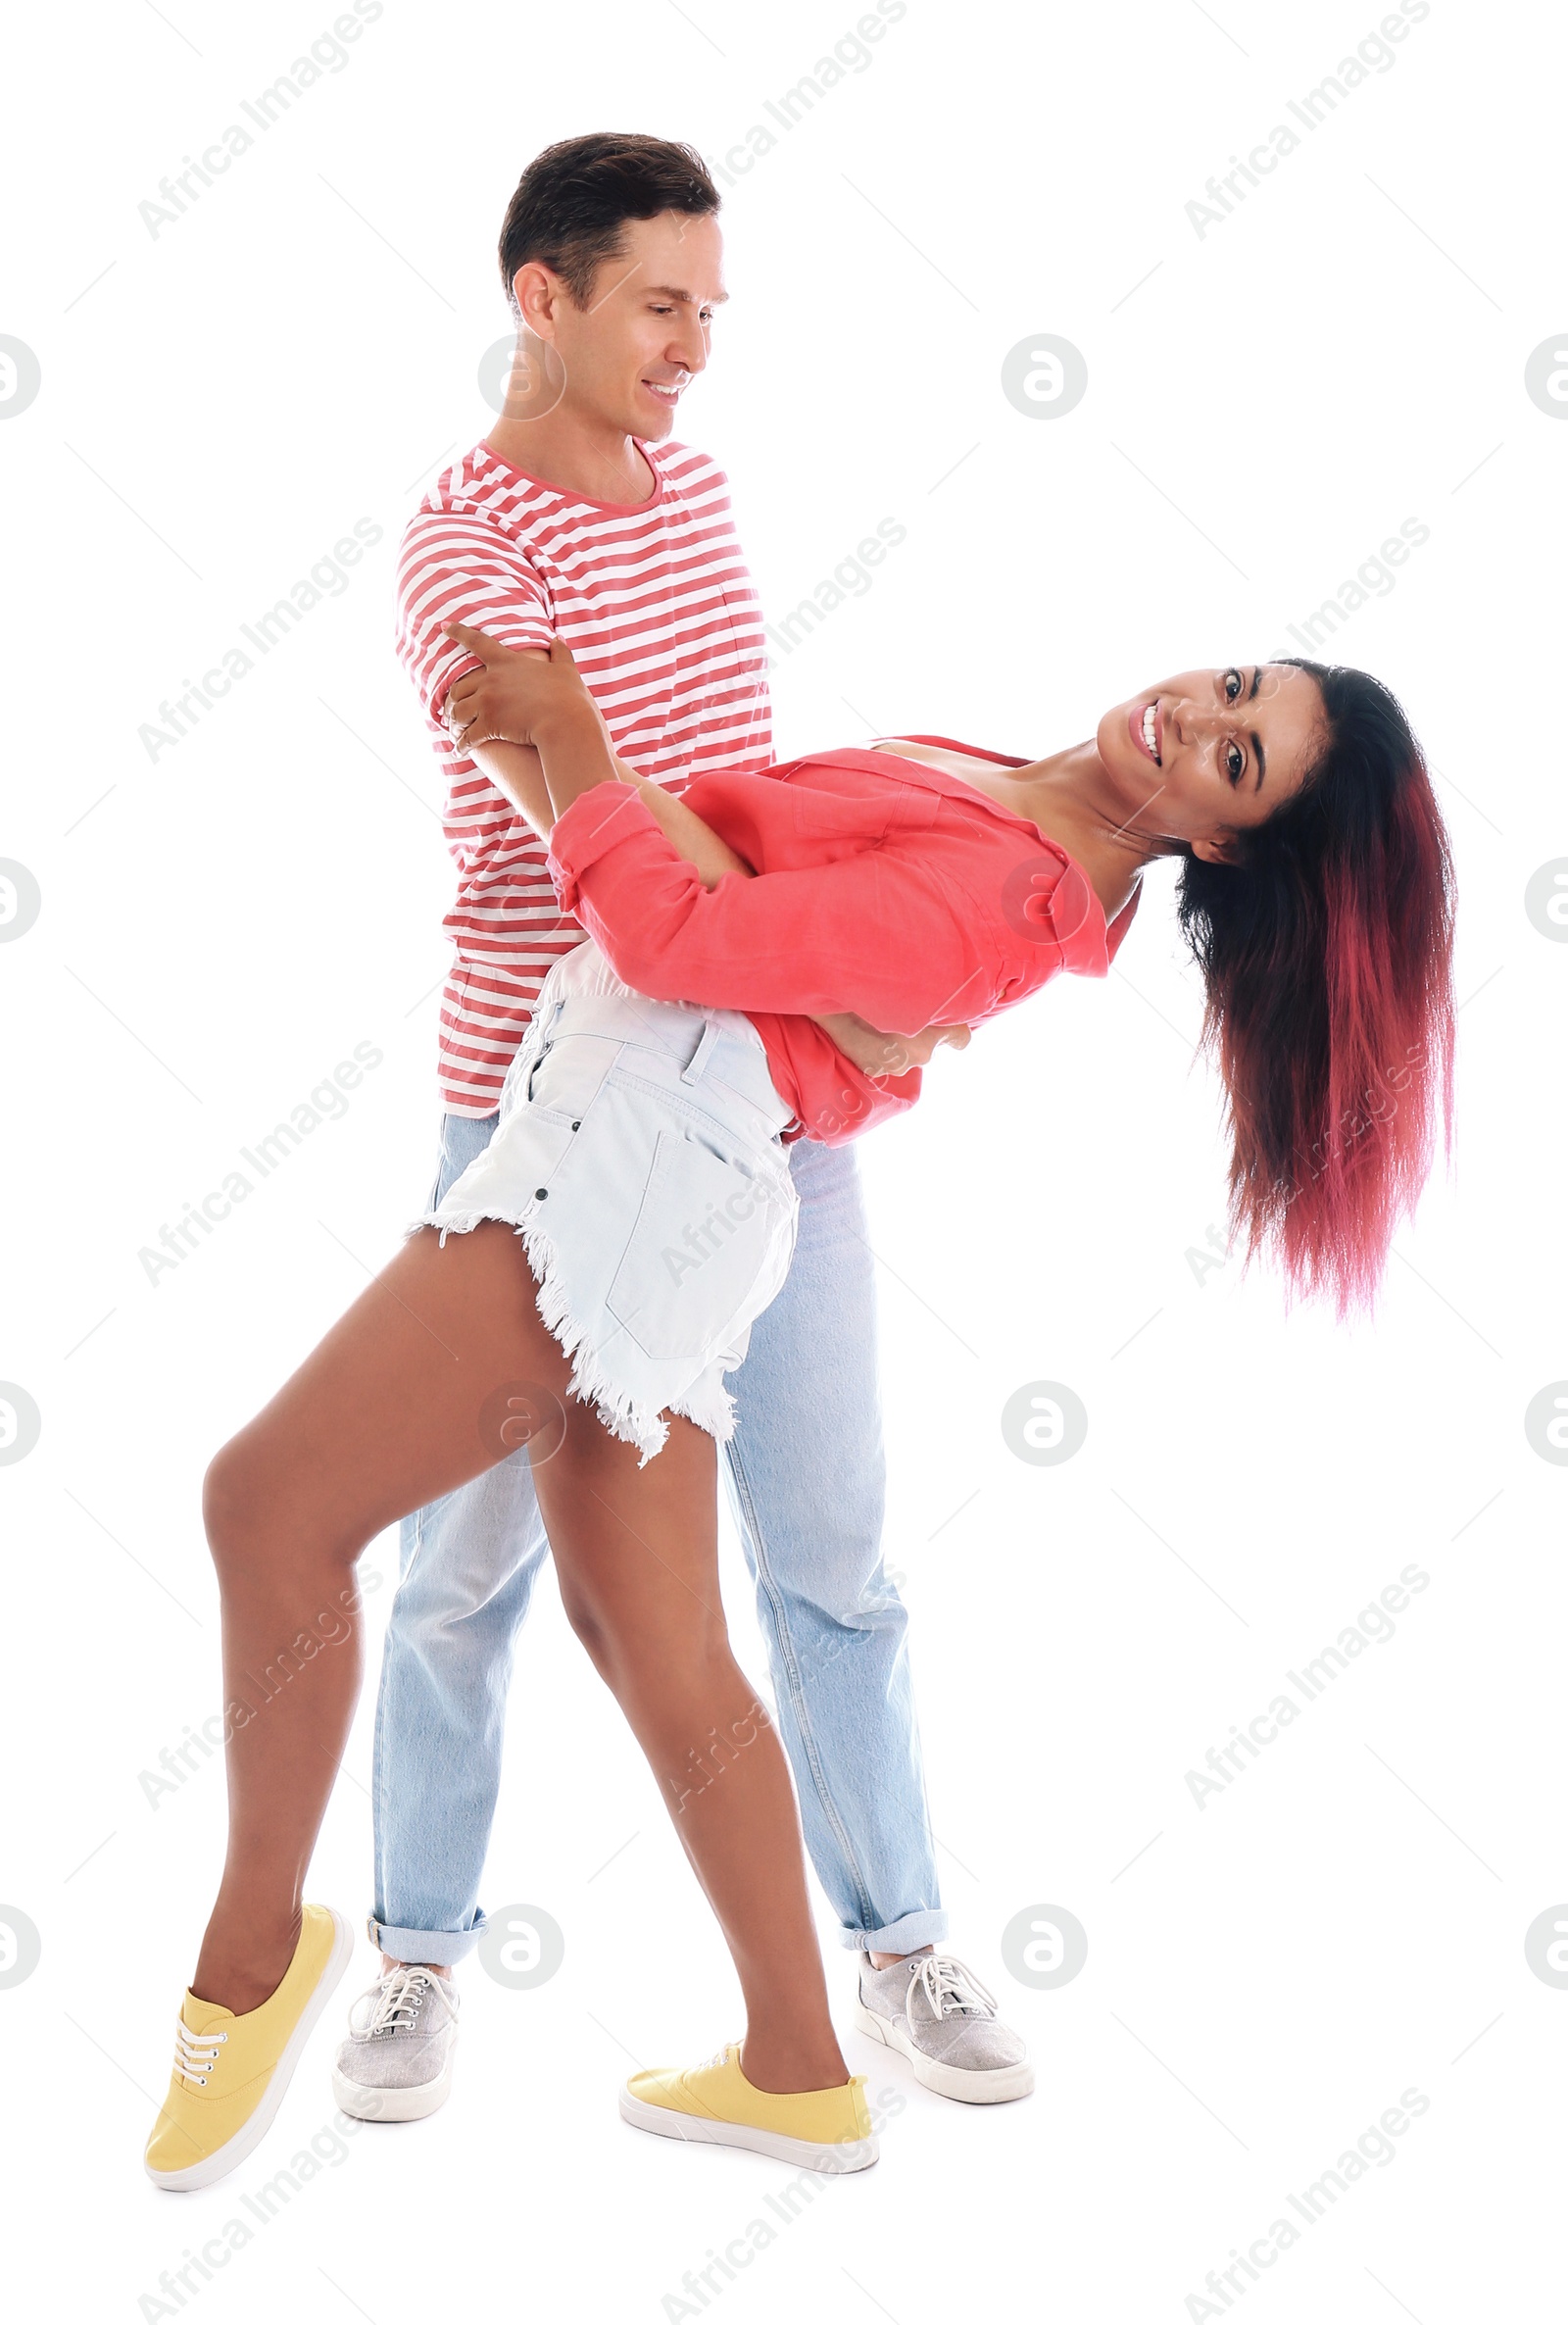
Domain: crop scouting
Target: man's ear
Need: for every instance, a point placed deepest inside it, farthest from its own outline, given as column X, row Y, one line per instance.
column 534, row 291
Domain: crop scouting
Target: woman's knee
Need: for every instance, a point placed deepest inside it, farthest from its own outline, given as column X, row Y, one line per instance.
column 230, row 1494
column 582, row 1610
column 256, row 1516
column 636, row 1651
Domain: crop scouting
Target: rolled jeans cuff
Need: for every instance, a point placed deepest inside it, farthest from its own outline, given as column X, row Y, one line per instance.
column 445, row 1947
column 905, row 1936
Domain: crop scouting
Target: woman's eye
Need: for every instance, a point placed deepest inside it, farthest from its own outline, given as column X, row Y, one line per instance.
column 1235, row 762
column 1233, row 685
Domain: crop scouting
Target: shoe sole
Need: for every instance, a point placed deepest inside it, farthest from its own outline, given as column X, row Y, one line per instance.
column 256, row 2125
column 704, row 2131
column 977, row 2087
column 408, row 2105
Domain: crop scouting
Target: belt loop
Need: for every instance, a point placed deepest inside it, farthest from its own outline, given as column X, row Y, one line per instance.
column 699, row 1055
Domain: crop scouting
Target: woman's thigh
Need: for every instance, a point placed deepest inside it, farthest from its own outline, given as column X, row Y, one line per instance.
column 636, row 1548
column 406, row 1396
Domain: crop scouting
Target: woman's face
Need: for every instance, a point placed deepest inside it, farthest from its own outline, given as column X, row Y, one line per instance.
column 1213, row 753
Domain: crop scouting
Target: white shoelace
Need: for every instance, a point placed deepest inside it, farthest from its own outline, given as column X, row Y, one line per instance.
column 394, row 2005
column 949, row 1987
column 195, row 2055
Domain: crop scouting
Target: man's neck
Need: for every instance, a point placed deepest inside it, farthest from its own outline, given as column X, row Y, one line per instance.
column 575, row 455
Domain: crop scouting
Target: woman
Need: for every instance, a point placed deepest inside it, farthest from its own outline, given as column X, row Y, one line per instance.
column 632, row 1216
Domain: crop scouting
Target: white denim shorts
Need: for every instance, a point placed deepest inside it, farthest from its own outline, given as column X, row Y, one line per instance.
column 639, row 1157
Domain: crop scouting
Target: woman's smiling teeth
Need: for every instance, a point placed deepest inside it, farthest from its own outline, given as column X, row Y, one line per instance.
column 1152, row 731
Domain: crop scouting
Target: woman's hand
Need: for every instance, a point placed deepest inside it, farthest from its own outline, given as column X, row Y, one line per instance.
column 882, row 1055
column 514, row 697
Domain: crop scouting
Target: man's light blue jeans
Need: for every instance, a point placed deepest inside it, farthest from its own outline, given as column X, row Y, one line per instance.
column 805, row 1473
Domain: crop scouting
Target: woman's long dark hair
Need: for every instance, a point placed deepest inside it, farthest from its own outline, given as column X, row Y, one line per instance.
column 1326, row 949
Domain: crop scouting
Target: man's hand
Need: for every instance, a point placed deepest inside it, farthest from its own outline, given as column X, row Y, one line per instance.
column 880, row 1055
column 514, row 697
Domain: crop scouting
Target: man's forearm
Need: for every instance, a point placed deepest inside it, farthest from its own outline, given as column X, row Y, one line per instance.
column 712, row 859
column 515, row 771
column 577, row 756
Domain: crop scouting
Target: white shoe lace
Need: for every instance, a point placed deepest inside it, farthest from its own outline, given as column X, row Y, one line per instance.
column 393, row 2004
column 952, row 1989
column 195, row 2055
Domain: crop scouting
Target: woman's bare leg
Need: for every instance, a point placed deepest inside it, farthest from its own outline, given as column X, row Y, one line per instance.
column 637, row 1557
column 383, row 1417
column 395, row 1408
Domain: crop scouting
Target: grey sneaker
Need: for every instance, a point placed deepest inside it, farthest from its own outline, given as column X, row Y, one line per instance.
column 397, row 2062
column 944, row 2020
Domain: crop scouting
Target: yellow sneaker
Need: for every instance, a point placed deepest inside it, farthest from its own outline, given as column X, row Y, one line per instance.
column 825, row 2131
column 230, row 2073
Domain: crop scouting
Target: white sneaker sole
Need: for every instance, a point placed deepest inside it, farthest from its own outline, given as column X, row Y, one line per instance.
column 259, row 2123
column 704, row 2131
column 408, row 2105
column 977, row 2087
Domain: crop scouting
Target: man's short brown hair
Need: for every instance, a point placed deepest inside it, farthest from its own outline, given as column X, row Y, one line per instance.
column 574, row 198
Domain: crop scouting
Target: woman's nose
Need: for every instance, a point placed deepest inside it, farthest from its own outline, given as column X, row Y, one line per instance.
column 1194, row 725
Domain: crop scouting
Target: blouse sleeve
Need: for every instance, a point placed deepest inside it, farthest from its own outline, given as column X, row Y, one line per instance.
column 876, row 931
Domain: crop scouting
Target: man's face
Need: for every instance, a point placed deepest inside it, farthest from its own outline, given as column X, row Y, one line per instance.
column 644, row 335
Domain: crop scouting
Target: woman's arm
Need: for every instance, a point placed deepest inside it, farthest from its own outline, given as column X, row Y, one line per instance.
column 514, row 697
column 875, row 932
column 561, row 752
column 515, row 769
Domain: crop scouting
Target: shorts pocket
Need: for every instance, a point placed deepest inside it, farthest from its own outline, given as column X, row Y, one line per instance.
column 697, row 1264
column 563, row 1081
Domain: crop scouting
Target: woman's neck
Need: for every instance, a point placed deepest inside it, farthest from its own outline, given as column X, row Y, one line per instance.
column 1067, row 798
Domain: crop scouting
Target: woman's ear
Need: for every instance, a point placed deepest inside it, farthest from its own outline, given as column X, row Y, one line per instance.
column 1222, row 849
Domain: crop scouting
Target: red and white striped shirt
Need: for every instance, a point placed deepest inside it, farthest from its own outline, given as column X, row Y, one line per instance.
column 661, row 619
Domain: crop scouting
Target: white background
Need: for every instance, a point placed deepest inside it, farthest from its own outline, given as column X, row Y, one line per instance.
column 219, row 402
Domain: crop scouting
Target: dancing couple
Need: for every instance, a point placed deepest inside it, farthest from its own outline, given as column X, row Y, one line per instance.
column 687, row 978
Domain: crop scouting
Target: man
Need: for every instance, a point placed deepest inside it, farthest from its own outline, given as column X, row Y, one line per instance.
column 578, row 516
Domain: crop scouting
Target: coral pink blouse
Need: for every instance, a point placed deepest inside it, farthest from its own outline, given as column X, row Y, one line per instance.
column 884, row 886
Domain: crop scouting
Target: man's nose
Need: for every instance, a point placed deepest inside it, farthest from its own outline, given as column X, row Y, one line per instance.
column 691, row 350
